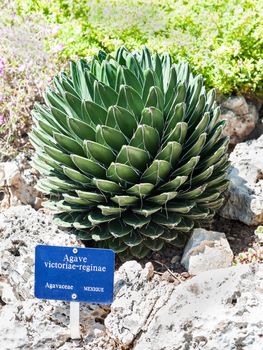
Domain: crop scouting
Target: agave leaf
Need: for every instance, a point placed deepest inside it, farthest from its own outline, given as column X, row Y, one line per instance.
column 69, row 144
column 179, row 97
column 162, row 198
column 42, row 139
column 123, row 119
column 54, row 100
column 92, row 197
column 100, row 233
column 75, row 104
column 136, row 157
column 171, row 152
column 63, row 184
column 146, row 210
column 213, row 137
column 76, row 176
column 99, row 152
column 201, row 177
column 118, row 229
column 82, row 222
column 178, row 134
column 179, row 241
column 194, row 91
column 106, row 186
column 131, row 100
column 157, row 171
column 139, row 251
column 94, row 113
column 135, row 220
column 110, row 210
column 141, row 190
column 124, row 201
column 178, row 116
column 50, row 162
column 69, row 207
column 193, row 193
column 216, row 179
column 131, row 80
column 168, row 236
column 83, row 235
column 47, row 128
column 170, row 83
column 173, row 185
column 220, row 187
column 107, row 95
column 133, row 239
column 153, row 117
column 155, row 98
column 81, row 129
column 215, row 155
column 97, row 218
column 76, row 200
column 166, row 67
column 153, row 244
column 185, row 225
column 213, row 205
column 117, row 245
column 187, row 168
column 64, row 219
column 147, row 138
column 89, row 167
column 199, row 109
column 111, row 137
column 180, row 206
column 198, row 213
column 152, row 231
column 170, row 220
column 149, row 81
column 200, row 128
column 60, row 116
column 196, row 148
column 122, row 173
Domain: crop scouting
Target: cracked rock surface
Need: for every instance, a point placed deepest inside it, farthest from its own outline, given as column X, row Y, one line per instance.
column 25, row 322
column 218, row 309
column 244, row 198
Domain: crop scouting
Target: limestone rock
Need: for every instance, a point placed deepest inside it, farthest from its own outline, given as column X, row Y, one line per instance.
column 26, row 322
column 244, row 198
column 219, row 309
column 206, row 250
column 241, row 118
column 17, row 181
column 135, row 299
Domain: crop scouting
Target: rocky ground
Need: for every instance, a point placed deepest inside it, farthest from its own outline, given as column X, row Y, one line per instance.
column 210, row 296
column 216, row 309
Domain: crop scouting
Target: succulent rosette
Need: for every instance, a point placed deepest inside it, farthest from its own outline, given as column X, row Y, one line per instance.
column 131, row 151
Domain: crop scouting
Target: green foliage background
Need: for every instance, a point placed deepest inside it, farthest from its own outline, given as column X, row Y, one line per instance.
column 221, row 39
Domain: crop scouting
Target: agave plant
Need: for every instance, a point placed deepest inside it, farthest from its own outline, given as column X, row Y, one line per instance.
column 131, row 149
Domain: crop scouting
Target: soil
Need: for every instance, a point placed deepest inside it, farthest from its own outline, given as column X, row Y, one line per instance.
column 167, row 261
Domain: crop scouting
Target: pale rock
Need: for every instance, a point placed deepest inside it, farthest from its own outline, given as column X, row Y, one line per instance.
column 17, row 184
column 206, row 250
column 26, row 322
column 241, row 118
column 136, row 297
column 218, row 309
column 244, row 198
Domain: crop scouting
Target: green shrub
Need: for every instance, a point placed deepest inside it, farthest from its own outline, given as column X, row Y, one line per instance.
column 222, row 39
column 132, row 152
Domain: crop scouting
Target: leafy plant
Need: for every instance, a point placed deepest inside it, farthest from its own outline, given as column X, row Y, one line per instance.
column 131, row 149
column 221, row 39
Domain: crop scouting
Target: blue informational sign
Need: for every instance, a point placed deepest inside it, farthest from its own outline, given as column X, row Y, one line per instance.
column 74, row 274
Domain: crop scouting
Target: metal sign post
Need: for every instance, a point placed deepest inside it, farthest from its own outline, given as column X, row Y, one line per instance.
column 74, row 274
